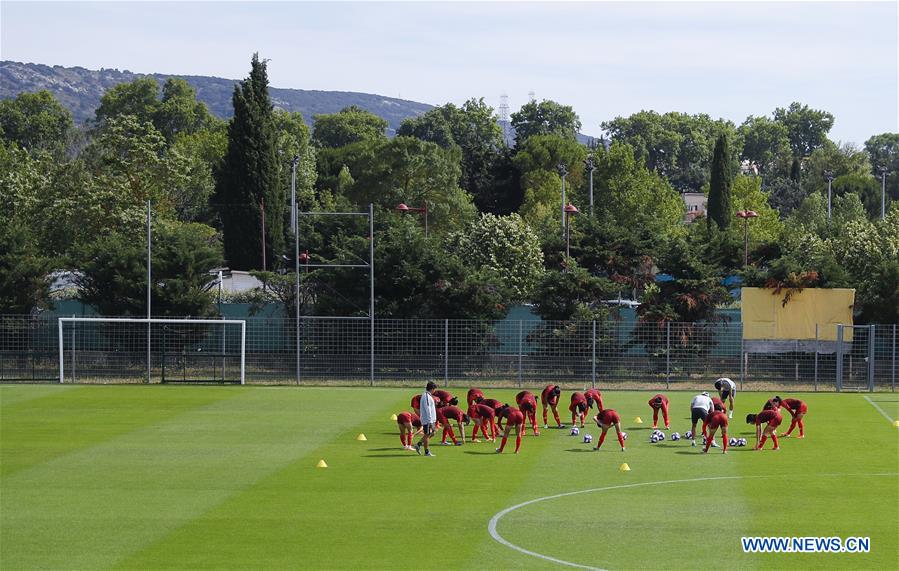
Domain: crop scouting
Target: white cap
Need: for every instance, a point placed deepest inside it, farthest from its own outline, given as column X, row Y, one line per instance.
column 705, row 393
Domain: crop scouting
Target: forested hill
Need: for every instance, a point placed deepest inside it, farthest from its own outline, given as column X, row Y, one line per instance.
column 80, row 89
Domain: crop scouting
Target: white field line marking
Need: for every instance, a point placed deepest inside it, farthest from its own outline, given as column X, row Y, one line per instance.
column 880, row 410
column 491, row 526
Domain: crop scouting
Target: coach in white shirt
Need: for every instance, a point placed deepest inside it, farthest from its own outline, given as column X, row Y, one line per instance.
column 428, row 417
column 700, row 408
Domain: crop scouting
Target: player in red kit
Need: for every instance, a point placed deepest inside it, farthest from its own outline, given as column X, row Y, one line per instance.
column 527, row 404
column 718, row 405
column 416, row 404
column 797, row 410
column 513, row 417
column 474, row 396
column 716, row 420
column 578, row 408
column 606, row 419
column 408, row 422
column 770, row 417
column 549, row 398
column 593, row 397
column 447, row 413
column 483, row 416
column 445, row 398
column 657, row 403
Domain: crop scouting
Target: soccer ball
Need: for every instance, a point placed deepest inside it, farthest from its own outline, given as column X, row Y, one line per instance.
column 675, row 436
column 688, row 435
column 575, row 431
column 661, row 435
column 653, row 438
column 741, row 442
column 733, row 441
column 624, row 435
column 588, row 439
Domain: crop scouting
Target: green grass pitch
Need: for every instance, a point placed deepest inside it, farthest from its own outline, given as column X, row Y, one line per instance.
column 150, row 477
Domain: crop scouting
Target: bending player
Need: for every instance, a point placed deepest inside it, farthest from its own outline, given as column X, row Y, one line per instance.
column 447, row 413
column 495, row 405
column 727, row 389
column 772, row 419
column 716, row 420
column 606, row 419
column 514, row 418
column 474, row 396
column 797, row 410
column 657, row 403
column 578, row 408
column 483, row 416
column 527, row 404
column 408, row 422
column 549, row 398
column 445, row 398
column 594, row 397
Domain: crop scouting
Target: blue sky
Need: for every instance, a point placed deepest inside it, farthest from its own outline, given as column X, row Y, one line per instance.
column 727, row 59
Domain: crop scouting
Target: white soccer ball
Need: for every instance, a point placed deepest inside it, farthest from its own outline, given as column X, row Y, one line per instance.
column 575, row 431
column 653, row 438
column 688, row 435
column 624, row 435
column 661, row 435
column 588, row 438
column 741, row 442
column 675, row 436
column 733, row 441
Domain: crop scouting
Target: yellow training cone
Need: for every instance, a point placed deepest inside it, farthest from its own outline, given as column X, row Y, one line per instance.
column 624, row 468
column 896, row 423
column 393, row 417
column 361, row 437
column 321, row 464
column 638, row 420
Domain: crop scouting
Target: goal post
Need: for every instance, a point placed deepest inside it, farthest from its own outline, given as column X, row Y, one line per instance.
column 188, row 350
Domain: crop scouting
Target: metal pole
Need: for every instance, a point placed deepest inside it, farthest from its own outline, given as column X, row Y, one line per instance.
column 893, row 382
column 149, row 280
column 295, row 226
column 371, row 301
column 667, row 355
column 816, row 356
column 445, row 353
column 520, row 340
column 593, row 374
column 262, row 213
column 839, row 375
column 829, row 181
column 746, row 241
column 73, row 350
column 883, row 194
column 871, row 355
column 742, row 353
column 563, row 202
column 224, row 327
column 567, row 236
column 59, row 324
column 591, row 191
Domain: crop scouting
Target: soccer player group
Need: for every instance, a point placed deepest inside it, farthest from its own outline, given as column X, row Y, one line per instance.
column 489, row 416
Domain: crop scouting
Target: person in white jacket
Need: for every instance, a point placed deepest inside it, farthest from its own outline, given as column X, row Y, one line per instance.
column 428, row 418
column 700, row 408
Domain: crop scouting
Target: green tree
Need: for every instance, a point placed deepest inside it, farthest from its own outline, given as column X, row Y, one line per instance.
column 537, row 160
column 572, row 294
column 747, row 194
column 678, row 146
column 179, row 112
column 504, row 246
column 841, row 160
column 36, row 122
column 249, row 185
column 24, row 271
column 806, row 128
column 114, row 267
column 866, row 187
column 766, row 145
column 203, row 152
column 474, row 129
column 139, row 98
column 785, row 195
column 720, row 183
column 351, row 125
column 883, row 151
column 545, row 118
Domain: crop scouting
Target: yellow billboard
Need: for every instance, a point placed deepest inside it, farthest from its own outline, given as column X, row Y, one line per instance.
column 766, row 316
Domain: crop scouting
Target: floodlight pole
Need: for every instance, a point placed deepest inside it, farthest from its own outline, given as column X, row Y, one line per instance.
column 563, row 172
column 591, row 166
column 149, row 281
column 371, row 300
column 829, row 176
column 295, row 227
column 883, row 192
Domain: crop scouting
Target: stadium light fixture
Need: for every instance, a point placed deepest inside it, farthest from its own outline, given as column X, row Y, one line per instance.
column 403, row 208
column 746, row 215
column 569, row 210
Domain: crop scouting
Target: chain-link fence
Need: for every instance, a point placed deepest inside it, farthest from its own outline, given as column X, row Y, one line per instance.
column 611, row 354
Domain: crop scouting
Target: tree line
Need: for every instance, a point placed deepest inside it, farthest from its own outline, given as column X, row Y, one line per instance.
column 75, row 199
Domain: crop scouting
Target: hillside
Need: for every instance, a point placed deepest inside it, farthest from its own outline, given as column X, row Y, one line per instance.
column 80, row 89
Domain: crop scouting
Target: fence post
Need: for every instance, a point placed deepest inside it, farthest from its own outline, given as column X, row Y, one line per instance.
column 445, row 353
column 872, row 354
column 893, row 382
column 520, row 341
column 816, row 356
column 593, row 373
column 73, row 350
column 742, row 354
column 667, row 355
column 839, row 376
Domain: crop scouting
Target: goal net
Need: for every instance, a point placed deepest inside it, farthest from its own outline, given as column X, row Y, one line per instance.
column 116, row 350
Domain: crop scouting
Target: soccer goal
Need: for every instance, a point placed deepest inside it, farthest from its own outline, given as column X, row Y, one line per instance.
column 123, row 350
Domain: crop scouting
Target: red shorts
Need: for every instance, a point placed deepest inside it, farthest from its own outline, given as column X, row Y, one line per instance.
column 515, row 417
column 775, row 422
column 404, row 418
column 803, row 409
column 717, row 422
column 609, row 417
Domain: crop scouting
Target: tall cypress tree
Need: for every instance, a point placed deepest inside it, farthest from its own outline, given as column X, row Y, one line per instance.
column 249, row 178
column 720, row 184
